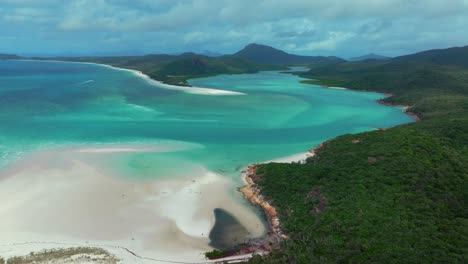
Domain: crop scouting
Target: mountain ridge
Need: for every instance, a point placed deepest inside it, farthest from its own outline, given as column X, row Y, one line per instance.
column 264, row 54
column 449, row 56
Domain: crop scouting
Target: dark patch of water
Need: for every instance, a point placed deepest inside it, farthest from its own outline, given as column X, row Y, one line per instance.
column 227, row 232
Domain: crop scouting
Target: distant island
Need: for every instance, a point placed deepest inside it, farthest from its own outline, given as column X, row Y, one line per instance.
column 370, row 56
column 263, row 54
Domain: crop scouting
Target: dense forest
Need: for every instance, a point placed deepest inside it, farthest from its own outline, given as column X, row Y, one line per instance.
column 391, row 196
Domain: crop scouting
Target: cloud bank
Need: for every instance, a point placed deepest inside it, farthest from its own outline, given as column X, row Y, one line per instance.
column 319, row 27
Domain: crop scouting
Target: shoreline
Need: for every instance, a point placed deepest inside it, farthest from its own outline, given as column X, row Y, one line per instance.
column 138, row 213
column 380, row 101
column 140, row 74
column 405, row 108
column 252, row 192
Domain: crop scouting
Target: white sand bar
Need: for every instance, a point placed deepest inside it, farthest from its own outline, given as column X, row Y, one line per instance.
column 58, row 199
column 186, row 89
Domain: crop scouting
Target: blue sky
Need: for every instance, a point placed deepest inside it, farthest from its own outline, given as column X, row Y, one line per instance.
column 314, row 27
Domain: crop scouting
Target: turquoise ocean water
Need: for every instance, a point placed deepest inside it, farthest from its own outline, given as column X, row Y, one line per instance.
column 55, row 105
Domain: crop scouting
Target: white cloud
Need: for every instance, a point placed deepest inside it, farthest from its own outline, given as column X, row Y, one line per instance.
column 307, row 26
column 333, row 40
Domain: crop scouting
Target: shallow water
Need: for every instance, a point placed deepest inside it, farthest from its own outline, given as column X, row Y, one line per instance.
column 49, row 104
column 140, row 131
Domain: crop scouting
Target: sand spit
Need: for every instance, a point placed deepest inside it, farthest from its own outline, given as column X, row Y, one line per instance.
column 186, row 89
column 58, row 199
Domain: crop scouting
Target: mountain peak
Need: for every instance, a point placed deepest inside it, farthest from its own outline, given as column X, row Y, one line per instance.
column 264, row 54
column 370, row 56
column 254, row 47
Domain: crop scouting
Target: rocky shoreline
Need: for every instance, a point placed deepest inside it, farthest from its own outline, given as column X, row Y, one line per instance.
column 253, row 193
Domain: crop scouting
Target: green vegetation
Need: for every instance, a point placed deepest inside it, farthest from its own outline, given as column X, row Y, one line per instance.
column 177, row 69
column 2, row 261
column 66, row 255
column 457, row 56
column 216, row 254
column 431, row 90
column 393, row 196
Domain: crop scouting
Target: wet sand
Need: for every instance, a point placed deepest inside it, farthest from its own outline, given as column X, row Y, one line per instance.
column 60, row 197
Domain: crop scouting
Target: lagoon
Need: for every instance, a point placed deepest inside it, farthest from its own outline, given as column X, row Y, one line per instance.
column 82, row 144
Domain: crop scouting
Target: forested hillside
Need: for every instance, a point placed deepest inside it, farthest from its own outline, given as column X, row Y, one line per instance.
column 393, row 196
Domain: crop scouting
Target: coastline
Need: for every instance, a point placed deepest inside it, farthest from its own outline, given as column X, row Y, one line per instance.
column 137, row 213
column 186, row 89
column 405, row 108
column 251, row 191
column 249, row 176
column 381, row 101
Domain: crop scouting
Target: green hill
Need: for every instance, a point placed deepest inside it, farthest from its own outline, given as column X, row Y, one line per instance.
column 267, row 55
column 177, row 69
column 430, row 89
column 453, row 56
column 393, row 196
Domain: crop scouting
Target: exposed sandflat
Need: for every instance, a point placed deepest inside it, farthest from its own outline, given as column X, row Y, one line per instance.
column 58, row 196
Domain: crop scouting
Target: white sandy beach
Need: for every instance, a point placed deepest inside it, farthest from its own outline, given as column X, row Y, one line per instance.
column 58, row 199
column 186, row 89
column 337, row 88
column 299, row 157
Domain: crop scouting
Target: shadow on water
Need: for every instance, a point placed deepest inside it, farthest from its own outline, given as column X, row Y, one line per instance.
column 227, row 231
